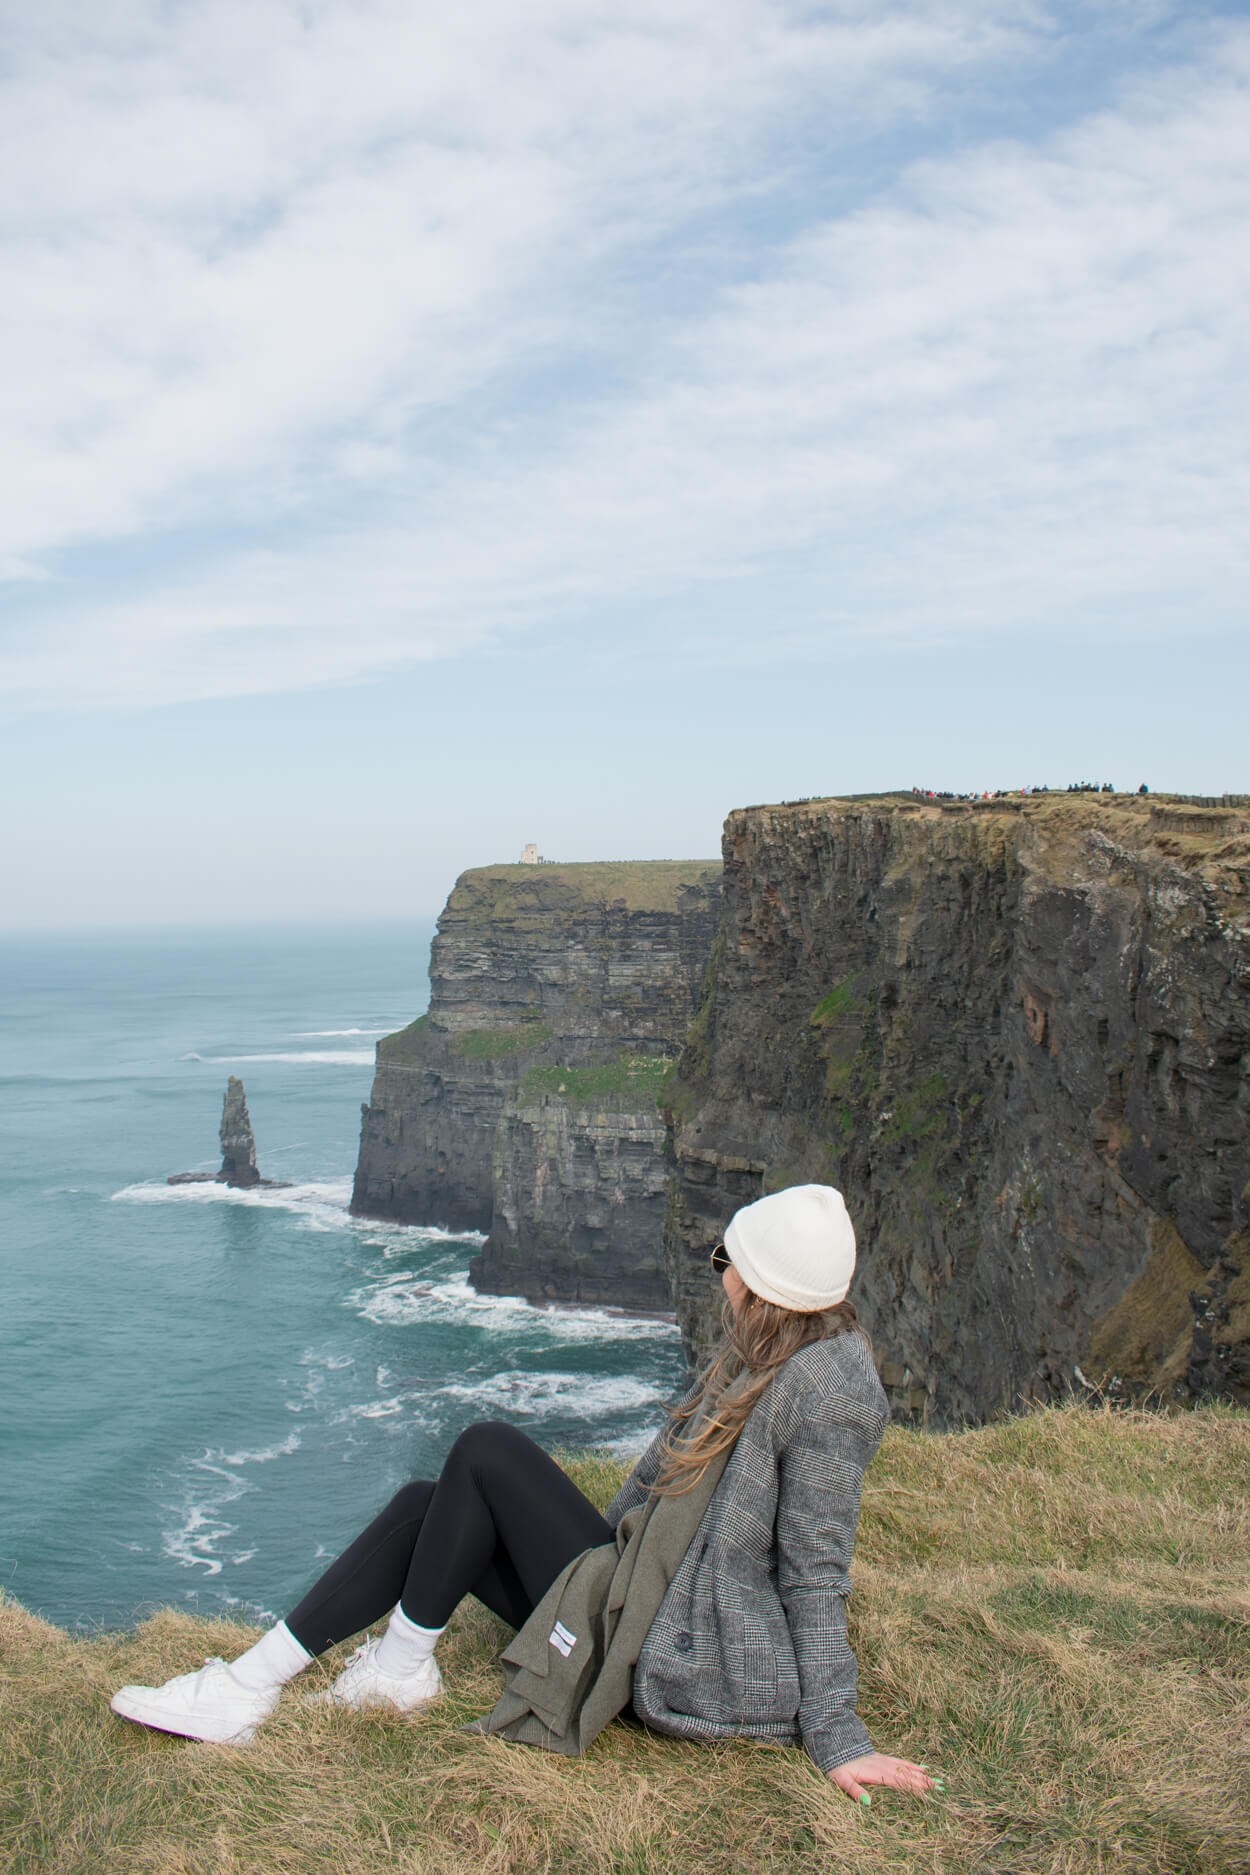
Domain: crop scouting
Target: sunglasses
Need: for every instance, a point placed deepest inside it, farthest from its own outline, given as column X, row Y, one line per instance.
column 720, row 1259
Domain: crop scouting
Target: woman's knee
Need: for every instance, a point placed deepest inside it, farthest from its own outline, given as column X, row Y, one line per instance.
column 410, row 1502
column 486, row 1444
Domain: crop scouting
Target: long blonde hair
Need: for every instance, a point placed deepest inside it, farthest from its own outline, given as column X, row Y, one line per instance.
column 758, row 1340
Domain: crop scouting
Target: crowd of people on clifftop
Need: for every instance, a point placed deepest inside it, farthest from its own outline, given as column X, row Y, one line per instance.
column 998, row 794
column 1008, row 794
column 946, row 794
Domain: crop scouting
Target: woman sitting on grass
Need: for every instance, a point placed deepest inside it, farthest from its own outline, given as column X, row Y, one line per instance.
column 712, row 1595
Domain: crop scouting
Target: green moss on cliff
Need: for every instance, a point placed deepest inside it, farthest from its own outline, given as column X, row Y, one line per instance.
column 839, row 1002
column 695, row 1060
column 405, row 1042
column 630, row 1083
column 492, row 1044
column 919, row 1112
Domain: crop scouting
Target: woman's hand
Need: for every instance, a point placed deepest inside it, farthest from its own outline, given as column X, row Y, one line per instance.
column 876, row 1768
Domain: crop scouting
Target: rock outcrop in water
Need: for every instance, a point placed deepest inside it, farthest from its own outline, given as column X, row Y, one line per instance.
column 524, row 1103
column 238, row 1148
column 238, row 1142
column 1017, row 1036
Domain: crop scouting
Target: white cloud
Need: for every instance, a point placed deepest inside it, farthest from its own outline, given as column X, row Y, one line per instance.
column 290, row 277
column 233, row 229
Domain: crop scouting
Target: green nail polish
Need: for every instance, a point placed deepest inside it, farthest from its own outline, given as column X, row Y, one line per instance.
column 866, row 1798
column 938, row 1784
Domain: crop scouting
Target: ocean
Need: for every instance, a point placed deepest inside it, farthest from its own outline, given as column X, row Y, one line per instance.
column 206, row 1393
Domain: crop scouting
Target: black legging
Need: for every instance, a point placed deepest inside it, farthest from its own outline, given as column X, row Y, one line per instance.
column 501, row 1523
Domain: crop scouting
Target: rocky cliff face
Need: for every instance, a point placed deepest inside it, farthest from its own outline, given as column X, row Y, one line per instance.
column 579, row 1189
column 1018, row 1038
column 524, row 1103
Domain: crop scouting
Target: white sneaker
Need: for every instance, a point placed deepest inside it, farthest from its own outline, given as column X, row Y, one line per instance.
column 362, row 1683
column 209, row 1704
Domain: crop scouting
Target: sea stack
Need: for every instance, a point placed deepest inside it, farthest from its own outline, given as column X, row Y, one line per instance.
column 238, row 1148
column 238, row 1142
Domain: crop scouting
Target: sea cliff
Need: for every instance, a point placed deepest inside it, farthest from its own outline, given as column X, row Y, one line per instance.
column 524, row 1103
column 1016, row 1035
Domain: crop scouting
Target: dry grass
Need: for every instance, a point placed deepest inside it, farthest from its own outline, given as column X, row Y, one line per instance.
column 1054, row 1610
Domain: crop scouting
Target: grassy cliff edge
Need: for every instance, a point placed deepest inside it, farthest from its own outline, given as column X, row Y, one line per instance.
column 486, row 893
column 1053, row 1609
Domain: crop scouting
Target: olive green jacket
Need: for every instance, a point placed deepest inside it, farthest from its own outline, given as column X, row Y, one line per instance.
column 720, row 1614
column 570, row 1669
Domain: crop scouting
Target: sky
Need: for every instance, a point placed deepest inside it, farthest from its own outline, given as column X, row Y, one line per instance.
column 427, row 429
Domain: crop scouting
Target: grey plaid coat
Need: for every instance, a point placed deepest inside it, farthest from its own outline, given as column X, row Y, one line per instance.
column 750, row 1640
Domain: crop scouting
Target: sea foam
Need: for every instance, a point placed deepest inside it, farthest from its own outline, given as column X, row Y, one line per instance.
column 403, row 1299
column 265, row 1456
column 576, row 1396
column 320, row 1204
column 303, row 1057
column 215, row 1483
column 318, row 1035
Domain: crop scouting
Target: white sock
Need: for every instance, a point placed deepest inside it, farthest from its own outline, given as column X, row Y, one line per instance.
column 276, row 1658
column 405, row 1647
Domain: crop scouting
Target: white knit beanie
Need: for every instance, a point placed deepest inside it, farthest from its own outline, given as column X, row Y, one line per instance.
column 795, row 1247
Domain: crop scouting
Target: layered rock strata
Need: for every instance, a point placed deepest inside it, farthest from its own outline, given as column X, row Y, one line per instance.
column 1017, row 1036
column 524, row 1103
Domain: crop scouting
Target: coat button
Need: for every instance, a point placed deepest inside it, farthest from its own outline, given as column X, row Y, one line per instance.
column 684, row 1643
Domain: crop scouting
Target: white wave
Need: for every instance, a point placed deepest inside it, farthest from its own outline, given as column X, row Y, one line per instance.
column 322, row 1057
column 334, row 1362
column 282, row 1449
column 404, row 1299
column 628, row 1447
column 191, row 1057
column 193, row 1541
column 369, row 1409
column 580, row 1396
column 317, row 1035
column 321, row 1204
column 202, row 1526
column 395, row 1240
